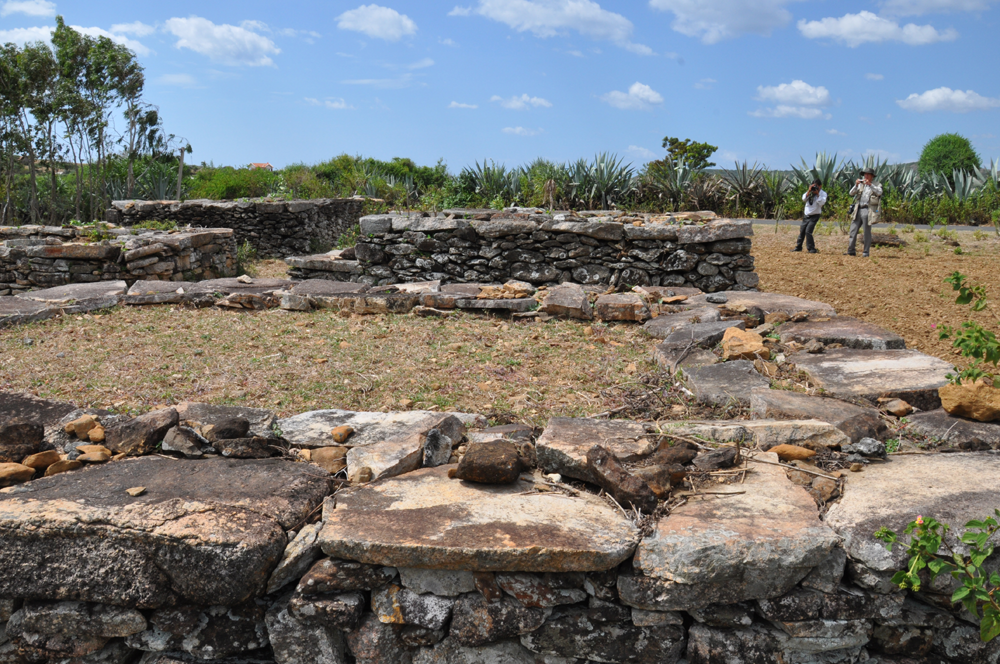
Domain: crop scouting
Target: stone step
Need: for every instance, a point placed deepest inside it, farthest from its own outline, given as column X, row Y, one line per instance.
column 662, row 326
column 769, row 303
column 844, row 330
column 856, row 422
column 726, row 383
column 424, row 519
column 80, row 298
column 955, row 431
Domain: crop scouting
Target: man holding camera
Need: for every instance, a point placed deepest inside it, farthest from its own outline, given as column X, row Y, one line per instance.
column 815, row 199
column 867, row 196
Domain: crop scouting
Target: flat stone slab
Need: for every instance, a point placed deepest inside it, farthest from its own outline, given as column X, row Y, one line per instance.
column 204, row 532
column 954, row 430
column 769, row 303
column 662, row 326
column 722, row 384
column 80, row 298
column 904, row 374
column 765, row 434
column 157, row 292
column 700, row 335
column 844, row 330
column 324, row 263
column 952, row 488
column 562, row 448
column 261, row 421
column 28, row 407
column 519, row 305
column 17, row 311
column 856, row 422
column 326, row 287
column 424, row 519
column 312, row 429
column 728, row 549
column 228, row 286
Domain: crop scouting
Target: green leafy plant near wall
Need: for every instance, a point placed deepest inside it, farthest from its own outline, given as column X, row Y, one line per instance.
column 972, row 340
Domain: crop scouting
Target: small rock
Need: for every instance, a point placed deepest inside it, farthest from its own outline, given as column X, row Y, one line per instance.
column 136, row 491
column 740, row 344
column 81, row 426
column 226, row 429
column 898, row 407
column 626, row 488
column 244, row 279
column 62, row 467
column 716, row 298
column 814, row 347
column 866, row 447
column 776, row 318
column 363, row 476
column 185, row 440
column 792, row 452
column 476, row 621
column 857, row 467
column 341, row 434
column 94, row 457
column 332, row 576
column 978, row 401
column 141, row 435
column 60, row 355
column 375, row 642
column 331, row 459
column 799, row 317
column 42, row 460
column 437, row 449
column 445, row 583
column 343, row 611
column 824, row 489
column 678, row 453
column 724, row 457
column 393, row 604
column 93, row 449
column 491, row 462
column 541, row 591
column 96, row 435
column 299, row 556
column 14, row 473
column 659, row 478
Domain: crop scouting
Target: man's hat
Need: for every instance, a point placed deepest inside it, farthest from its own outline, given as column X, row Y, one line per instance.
column 868, row 171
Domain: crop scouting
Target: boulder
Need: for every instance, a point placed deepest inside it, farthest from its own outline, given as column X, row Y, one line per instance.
column 727, row 549
column 726, row 383
column 952, row 430
column 869, row 374
column 203, row 532
column 18, row 439
column 490, row 462
column 424, row 519
column 80, row 298
column 562, row 448
column 843, row 330
column 568, row 301
column 740, row 344
column 856, row 422
column 141, row 435
column 978, row 401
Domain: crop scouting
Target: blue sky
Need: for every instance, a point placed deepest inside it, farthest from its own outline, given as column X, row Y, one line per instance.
column 511, row 80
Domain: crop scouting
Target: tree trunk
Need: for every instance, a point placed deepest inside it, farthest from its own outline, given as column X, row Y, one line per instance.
column 180, row 173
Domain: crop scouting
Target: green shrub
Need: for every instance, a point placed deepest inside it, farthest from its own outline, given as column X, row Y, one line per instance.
column 921, row 237
column 227, row 183
column 947, row 153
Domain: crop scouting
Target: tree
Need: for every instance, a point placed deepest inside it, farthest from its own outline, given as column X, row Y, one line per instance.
column 947, row 153
column 695, row 154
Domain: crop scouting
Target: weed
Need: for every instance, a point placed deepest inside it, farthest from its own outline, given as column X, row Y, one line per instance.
column 958, row 251
column 246, row 254
column 921, row 237
column 979, row 235
column 154, row 225
column 909, row 228
column 892, row 445
column 350, row 237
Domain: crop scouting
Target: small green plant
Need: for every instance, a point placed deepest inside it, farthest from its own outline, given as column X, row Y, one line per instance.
column 892, row 230
column 246, row 254
column 892, row 445
column 154, row 225
column 946, row 234
column 921, row 237
column 958, row 251
column 929, row 550
column 909, row 228
column 979, row 235
column 350, row 237
column 972, row 340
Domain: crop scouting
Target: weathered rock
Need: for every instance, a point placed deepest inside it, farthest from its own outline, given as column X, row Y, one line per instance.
column 196, row 414
column 699, row 335
column 331, row 459
column 80, row 298
column 63, row 466
column 254, row 447
column 724, row 384
column 141, row 435
column 740, row 344
column 343, row 611
column 16, row 406
column 437, row 449
column 905, row 374
column 477, row 621
column 724, row 457
column 867, row 447
column 954, row 431
column 769, row 303
column 748, row 645
column 331, row 576
column 979, row 401
column 826, row 576
column 491, row 462
column 730, row 549
column 541, row 591
column 450, row 651
column 296, row 643
column 42, row 460
column 400, row 454
column 792, row 452
column 856, row 422
column 724, row 615
column 662, row 326
column 622, row 307
column 897, row 407
column 226, row 428
column 203, row 532
column 397, row 605
column 609, row 474
column 35, row 646
column 18, row 311
column 298, row 558
column 18, row 439
column 902, row 640
column 375, row 642
column 444, row 583
column 567, row 300
column 961, row 643
column 81, row 619
column 570, row 633
column 15, row 473
column 675, row 358
column 211, row 632
column 641, row 618
column 659, row 478
column 184, row 440
column 424, row 519
column 562, row 448
column 843, row 330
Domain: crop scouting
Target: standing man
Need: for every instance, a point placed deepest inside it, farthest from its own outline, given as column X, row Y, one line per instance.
column 815, row 199
column 867, row 196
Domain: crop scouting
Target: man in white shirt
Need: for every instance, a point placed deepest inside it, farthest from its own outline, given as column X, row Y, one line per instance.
column 815, row 199
column 867, row 197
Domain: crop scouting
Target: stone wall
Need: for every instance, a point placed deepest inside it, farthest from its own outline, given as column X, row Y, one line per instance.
column 275, row 228
column 483, row 247
column 46, row 256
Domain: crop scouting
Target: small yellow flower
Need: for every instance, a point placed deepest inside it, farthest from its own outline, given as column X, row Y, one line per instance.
column 920, row 520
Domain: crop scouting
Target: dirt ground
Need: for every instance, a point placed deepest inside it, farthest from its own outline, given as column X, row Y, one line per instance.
column 902, row 290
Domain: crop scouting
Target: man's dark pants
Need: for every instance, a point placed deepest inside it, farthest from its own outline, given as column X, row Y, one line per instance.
column 806, row 232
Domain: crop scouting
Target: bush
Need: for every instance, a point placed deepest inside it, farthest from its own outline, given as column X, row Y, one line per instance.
column 947, row 153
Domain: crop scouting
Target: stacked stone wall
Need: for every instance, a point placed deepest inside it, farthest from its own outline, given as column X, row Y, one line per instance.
column 273, row 228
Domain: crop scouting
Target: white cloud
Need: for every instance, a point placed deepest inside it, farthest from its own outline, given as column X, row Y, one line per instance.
column 920, row 7
column 705, row 84
column 377, row 22
column 255, row 26
column 865, row 27
column 28, row 7
column 179, row 80
column 447, row 42
column 403, row 81
column 547, row 18
column 228, row 44
column 136, row 46
column 834, row 132
column 137, row 28
column 333, row 103
column 640, row 97
column 946, row 99
column 641, row 152
column 421, row 64
column 783, row 111
column 456, row 104
column 715, row 20
column 521, row 103
column 22, row 36
column 874, row 77
column 521, row 131
column 796, row 93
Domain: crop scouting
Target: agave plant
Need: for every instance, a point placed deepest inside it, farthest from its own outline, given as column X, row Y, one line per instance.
column 672, row 179
column 774, row 186
column 610, row 179
column 966, row 185
column 825, row 169
column 743, row 181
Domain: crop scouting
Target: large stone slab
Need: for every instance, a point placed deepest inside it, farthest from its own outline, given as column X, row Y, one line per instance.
column 424, row 519
column 714, row 231
column 324, row 263
column 769, row 303
column 157, row 292
column 80, row 298
column 856, row 422
column 726, row 383
column 567, row 300
column 844, row 330
column 764, row 434
column 28, row 407
column 700, row 335
column 727, row 549
column 195, row 413
column 661, row 326
column 312, row 429
column 229, row 286
column 18, row 311
column 869, row 374
column 562, row 448
column 404, row 452
column 954, row 431
column 952, row 488
column 204, row 532
column 326, row 288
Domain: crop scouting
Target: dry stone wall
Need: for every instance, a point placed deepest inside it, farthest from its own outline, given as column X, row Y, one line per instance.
column 275, row 228
column 484, row 246
column 46, row 256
